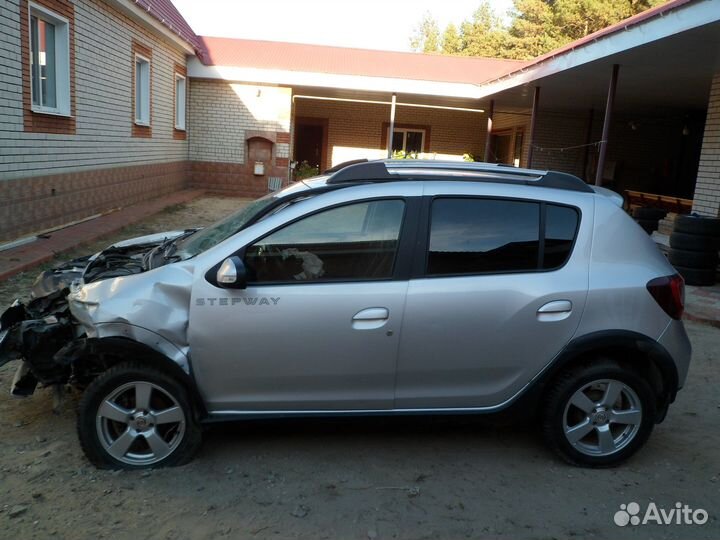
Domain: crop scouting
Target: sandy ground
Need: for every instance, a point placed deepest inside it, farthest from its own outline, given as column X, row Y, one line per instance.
column 353, row 478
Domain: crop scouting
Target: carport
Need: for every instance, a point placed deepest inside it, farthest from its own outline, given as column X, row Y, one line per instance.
column 627, row 107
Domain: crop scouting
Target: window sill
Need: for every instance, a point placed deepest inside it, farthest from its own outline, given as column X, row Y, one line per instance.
column 142, row 124
column 51, row 112
column 178, row 128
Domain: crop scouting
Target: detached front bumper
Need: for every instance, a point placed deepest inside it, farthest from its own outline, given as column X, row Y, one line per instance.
column 34, row 337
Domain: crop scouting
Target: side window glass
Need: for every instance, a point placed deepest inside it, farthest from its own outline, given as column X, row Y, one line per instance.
column 353, row 242
column 560, row 228
column 470, row 236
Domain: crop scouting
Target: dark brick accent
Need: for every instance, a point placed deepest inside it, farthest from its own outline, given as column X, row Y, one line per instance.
column 231, row 178
column 35, row 204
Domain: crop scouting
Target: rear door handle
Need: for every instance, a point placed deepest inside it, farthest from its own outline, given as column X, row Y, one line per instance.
column 370, row 318
column 557, row 310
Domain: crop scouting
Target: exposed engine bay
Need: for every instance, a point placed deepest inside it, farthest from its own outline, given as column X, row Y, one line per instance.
column 45, row 335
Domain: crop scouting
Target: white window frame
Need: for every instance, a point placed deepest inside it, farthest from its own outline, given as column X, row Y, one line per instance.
column 138, row 117
column 180, row 102
column 62, row 60
column 405, row 131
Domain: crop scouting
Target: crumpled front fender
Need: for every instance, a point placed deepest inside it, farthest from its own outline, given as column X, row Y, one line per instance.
column 130, row 306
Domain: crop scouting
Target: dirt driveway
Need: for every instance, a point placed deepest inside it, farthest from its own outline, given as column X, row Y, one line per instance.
column 357, row 478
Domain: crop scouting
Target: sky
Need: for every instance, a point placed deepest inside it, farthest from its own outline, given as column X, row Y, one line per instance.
column 368, row 24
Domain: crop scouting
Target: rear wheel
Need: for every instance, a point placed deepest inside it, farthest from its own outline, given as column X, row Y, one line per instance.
column 133, row 417
column 598, row 415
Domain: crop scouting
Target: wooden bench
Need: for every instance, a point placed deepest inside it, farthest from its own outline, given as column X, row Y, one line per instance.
column 636, row 199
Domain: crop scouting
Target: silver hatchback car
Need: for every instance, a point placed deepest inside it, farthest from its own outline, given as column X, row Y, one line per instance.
column 382, row 287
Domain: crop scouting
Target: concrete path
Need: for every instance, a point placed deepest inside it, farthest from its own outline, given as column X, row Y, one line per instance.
column 15, row 260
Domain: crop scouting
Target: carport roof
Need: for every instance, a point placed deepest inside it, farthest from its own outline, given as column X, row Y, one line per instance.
column 668, row 55
column 300, row 57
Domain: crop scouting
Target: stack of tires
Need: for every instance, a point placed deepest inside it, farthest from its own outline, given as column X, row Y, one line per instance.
column 694, row 246
column 648, row 217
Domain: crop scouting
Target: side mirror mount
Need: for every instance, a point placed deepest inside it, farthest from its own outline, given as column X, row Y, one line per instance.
column 232, row 274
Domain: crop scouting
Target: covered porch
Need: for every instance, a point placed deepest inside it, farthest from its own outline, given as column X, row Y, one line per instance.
column 620, row 110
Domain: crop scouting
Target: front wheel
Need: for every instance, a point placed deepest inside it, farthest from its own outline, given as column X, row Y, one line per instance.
column 599, row 414
column 134, row 417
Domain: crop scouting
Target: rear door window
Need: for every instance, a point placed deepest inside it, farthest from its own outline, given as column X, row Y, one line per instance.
column 479, row 235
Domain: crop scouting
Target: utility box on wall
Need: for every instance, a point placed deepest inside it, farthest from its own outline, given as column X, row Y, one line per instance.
column 259, row 155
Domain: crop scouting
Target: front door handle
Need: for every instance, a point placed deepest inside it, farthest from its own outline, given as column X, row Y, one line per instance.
column 557, row 310
column 370, row 318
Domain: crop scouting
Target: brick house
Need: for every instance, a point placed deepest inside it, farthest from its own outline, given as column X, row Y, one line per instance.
column 107, row 103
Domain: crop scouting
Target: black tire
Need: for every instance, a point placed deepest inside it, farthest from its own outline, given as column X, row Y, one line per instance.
column 648, row 225
column 694, row 242
column 567, row 384
column 164, row 385
column 697, row 276
column 698, row 225
column 704, row 260
column 654, row 214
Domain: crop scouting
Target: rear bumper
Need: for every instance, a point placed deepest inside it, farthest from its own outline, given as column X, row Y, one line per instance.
column 677, row 344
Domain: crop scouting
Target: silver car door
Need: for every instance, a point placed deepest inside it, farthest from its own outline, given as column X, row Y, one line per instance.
column 490, row 310
column 317, row 327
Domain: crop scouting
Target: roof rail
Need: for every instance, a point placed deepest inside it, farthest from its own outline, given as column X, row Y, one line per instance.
column 392, row 170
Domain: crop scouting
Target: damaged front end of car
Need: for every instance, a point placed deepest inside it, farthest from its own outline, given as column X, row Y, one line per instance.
column 86, row 313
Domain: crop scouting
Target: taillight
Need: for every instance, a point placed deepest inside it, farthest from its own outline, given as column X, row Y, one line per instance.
column 669, row 293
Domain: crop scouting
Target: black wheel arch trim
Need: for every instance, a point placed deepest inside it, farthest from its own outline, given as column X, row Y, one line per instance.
column 109, row 351
column 594, row 342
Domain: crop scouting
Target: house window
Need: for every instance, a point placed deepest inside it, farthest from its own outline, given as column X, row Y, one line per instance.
column 49, row 61
column 142, row 90
column 179, row 101
column 410, row 141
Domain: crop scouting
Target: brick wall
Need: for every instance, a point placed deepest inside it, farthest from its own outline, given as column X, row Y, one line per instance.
column 30, row 205
column 355, row 130
column 230, row 121
column 707, row 190
column 103, row 75
column 33, row 164
column 222, row 113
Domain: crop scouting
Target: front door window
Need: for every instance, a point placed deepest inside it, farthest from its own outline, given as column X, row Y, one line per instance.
column 353, row 242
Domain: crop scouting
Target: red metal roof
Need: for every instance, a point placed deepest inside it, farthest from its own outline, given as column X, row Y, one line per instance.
column 165, row 12
column 358, row 62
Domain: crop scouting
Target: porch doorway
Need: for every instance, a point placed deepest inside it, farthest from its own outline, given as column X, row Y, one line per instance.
column 311, row 142
column 506, row 147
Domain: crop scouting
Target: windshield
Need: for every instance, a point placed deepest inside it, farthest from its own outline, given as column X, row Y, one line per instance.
column 213, row 234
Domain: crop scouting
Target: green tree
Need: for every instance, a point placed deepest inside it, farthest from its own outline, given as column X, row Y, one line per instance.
column 483, row 34
column 534, row 28
column 426, row 36
column 451, row 40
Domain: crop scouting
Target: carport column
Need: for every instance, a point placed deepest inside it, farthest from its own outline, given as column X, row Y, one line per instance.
column 392, row 126
column 606, row 126
column 491, row 111
column 706, row 200
column 533, row 121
